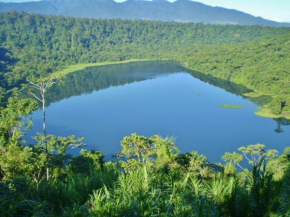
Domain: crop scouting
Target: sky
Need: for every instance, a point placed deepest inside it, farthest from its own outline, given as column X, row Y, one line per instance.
column 277, row 10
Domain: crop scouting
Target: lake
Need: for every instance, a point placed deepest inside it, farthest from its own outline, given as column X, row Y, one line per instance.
column 106, row 103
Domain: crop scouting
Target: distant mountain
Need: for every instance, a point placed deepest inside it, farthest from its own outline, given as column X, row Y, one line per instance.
column 162, row 10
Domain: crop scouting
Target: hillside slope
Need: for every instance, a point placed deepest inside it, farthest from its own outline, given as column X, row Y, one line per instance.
column 255, row 56
column 159, row 10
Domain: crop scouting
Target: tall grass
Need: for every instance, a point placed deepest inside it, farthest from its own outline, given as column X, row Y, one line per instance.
column 190, row 188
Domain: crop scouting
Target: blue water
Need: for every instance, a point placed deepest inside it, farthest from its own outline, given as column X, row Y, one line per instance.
column 151, row 99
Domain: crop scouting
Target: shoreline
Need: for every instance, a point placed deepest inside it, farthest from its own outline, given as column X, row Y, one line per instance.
column 262, row 111
column 78, row 67
column 265, row 113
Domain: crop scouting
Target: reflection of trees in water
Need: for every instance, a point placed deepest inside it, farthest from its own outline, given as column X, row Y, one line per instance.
column 281, row 122
column 239, row 90
column 230, row 87
column 224, row 84
column 260, row 101
column 102, row 77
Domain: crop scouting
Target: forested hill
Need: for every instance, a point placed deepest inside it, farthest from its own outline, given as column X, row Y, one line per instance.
column 33, row 43
column 255, row 56
column 159, row 10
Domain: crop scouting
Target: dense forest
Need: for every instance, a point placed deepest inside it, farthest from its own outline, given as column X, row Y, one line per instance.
column 149, row 176
column 33, row 44
column 262, row 66
column 254, row 56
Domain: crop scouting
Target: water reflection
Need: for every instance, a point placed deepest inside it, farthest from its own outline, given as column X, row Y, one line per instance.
column 160, row 97
column 226, row 85
column 102, row 77
column 230, row 87
column 281, row 122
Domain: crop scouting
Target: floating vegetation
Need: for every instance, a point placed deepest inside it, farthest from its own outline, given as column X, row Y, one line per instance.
column 232, row 106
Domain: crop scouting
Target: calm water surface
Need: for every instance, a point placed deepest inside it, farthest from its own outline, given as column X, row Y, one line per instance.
column 104, row 104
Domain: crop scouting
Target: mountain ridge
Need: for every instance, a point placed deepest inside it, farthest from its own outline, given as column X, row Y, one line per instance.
column 156, row 10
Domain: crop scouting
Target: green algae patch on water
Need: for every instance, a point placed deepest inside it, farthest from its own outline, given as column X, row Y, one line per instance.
column 232, row 106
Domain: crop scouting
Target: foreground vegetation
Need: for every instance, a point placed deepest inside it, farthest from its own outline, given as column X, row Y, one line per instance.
column 254, row 56
column 149, row 177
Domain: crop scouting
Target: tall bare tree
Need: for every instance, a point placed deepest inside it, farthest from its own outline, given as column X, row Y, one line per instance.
column 41, row 85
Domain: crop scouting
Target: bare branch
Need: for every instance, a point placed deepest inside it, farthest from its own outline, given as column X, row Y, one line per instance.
column 36, row 97
column 36, row 87
column 246, row 156
column 32, row 83
column 240, row 166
